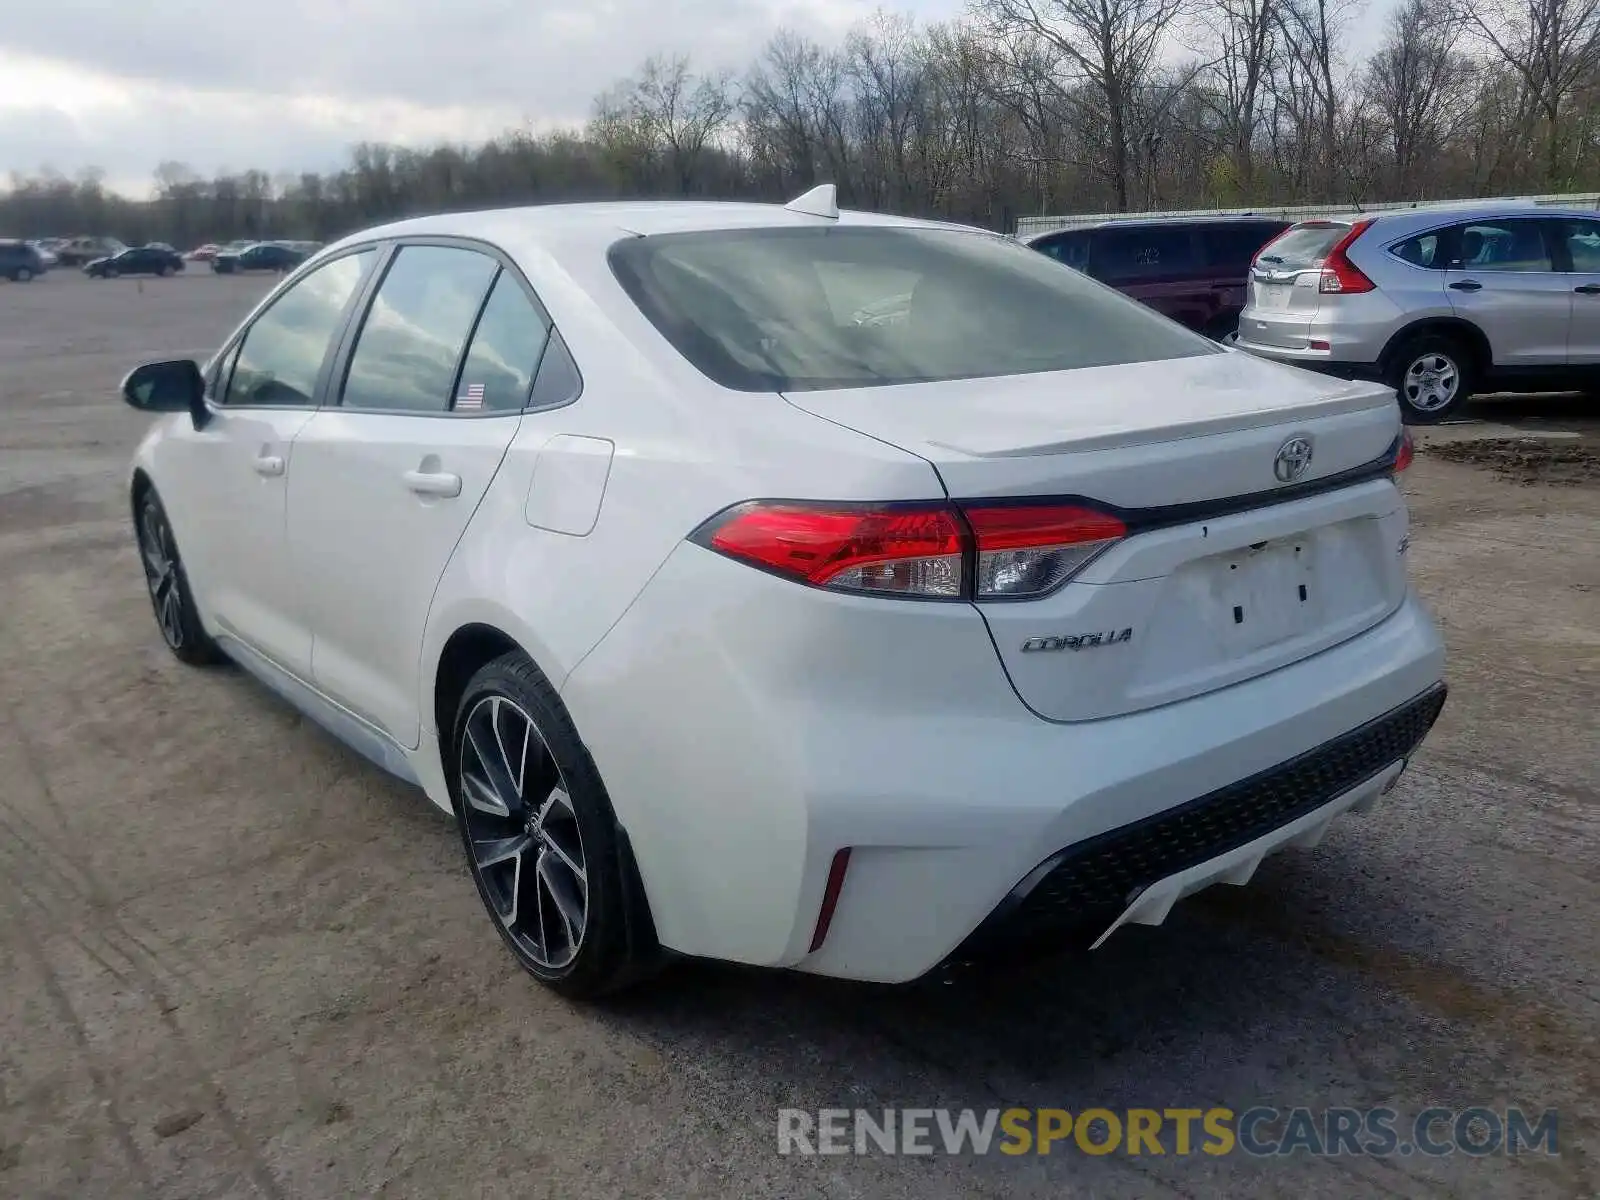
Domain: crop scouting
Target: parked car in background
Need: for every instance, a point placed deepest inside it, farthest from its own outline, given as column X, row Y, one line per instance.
column 78, row 251
column 1193, row 270
column 1437, row 302
column 167, row 246
column 203, row 253
column 263, row 256
column 141, row 260
column 47, row 255
column 1057, row 612
column 20, row 262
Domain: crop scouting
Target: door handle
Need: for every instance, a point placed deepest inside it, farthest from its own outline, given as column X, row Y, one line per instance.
column 434, row 483
column 269, row 465
column 1467, row 285
column 1588, row 289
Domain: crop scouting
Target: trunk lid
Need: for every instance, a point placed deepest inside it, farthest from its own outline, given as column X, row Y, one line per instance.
column 1285, row 279
column 1227, row 572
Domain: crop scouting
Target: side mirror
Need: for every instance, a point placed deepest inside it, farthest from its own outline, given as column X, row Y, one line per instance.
column 172, row 386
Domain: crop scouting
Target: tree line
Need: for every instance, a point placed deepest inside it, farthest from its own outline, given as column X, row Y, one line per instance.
column 1019, row 107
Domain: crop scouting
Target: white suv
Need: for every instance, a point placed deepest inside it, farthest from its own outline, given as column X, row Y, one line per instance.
column 732, row 620
column 1436, row 302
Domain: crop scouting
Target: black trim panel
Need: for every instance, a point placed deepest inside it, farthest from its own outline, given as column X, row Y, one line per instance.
column 1139, row 520
column 1087, row 885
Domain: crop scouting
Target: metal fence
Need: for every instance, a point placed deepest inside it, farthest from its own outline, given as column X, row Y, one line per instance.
column 1030, row 227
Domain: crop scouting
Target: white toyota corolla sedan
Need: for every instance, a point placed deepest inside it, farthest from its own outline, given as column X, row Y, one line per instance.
column 790, row 586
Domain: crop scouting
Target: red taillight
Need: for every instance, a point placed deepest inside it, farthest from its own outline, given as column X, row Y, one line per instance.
column 930, row 551
column 1027, row 550
column 906, row 550
column 1404, row 453
column 1339, row 274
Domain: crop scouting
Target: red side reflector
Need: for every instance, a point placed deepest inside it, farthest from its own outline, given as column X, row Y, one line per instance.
column 1318, row 344
column 830, row 896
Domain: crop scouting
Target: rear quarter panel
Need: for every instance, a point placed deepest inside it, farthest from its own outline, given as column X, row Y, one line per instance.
column 683, row 449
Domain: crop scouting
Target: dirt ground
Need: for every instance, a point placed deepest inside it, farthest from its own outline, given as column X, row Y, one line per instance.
column 238, row 961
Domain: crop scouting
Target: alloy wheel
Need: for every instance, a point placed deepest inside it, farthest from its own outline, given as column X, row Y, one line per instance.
column 522, row 833
column 160, row 559
column 1430, row 382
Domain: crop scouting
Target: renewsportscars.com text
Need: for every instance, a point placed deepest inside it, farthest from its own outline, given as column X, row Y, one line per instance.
column 1259, row 1131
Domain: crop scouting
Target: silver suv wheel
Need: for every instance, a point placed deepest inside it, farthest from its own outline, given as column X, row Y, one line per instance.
column 1431, row 382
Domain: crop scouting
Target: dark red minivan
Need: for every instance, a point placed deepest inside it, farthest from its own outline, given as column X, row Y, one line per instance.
column 1194, row 269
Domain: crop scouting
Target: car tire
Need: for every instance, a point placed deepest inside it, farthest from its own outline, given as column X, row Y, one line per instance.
column 542, row 843
column 109, row 273
column 164, row 272
column 1433, row 375
column 22, row 275
column 177, row 615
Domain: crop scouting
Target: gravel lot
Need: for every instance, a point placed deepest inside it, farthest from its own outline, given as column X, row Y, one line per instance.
column 238, row 961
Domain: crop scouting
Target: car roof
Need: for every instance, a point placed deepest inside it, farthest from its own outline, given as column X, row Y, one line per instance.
column 1428, row 216
column 1165, row 222
column 553, row 224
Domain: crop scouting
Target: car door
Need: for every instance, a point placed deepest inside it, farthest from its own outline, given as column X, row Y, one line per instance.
column 1502, row 277
column 1229, row 248
column 1158, row 265
column 1578, row 250
column 232, row 475
column 386, row 479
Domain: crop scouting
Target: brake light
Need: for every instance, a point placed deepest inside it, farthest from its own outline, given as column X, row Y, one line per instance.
column 907, row 550
column 928, row 551
column 1403, row 453
column 1339, row 274
column 1029, row 550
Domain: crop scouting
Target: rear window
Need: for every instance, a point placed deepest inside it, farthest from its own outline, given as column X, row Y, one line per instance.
column 1231, row 247
column 808, row 309
column 1304, row 245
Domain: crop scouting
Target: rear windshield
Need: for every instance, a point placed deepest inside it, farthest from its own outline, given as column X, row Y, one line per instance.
column 1303, row 246
column 858, row 306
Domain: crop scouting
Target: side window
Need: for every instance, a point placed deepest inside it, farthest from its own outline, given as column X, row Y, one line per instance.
column 558, row 382
column 1069, row 248
column 281, row 355
column 505, row 352
column 1136, row 255
column 1583, row 244
column 217, row 381
column 1424, row 250
column 410, row 344
column 1502, row 246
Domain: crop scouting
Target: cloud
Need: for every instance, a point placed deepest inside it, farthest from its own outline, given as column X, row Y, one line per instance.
column 289, row 84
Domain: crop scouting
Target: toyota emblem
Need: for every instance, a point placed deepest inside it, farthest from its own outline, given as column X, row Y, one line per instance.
column 1294, row 456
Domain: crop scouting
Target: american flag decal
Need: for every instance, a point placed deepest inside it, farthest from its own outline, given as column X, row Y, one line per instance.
column 470, row 399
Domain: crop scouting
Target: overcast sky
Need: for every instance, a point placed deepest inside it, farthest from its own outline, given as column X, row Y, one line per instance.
column 291, row 84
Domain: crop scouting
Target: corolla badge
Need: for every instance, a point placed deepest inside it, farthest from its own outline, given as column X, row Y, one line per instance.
column 1294, row 456
column 1076, row 641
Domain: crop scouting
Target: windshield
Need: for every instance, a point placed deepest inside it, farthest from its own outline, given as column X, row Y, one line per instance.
column 806, row 309
column 1303, row 247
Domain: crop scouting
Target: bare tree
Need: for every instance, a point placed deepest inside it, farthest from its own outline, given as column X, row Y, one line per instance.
column 1247, row 38
column 1109, row 45
column 667, row 110
column 1553, row 47
column 1421, row 89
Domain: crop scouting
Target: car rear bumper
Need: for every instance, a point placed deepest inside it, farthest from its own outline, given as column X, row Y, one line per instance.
column 1136, row 873
column 744, row 744
column 1350, row 331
